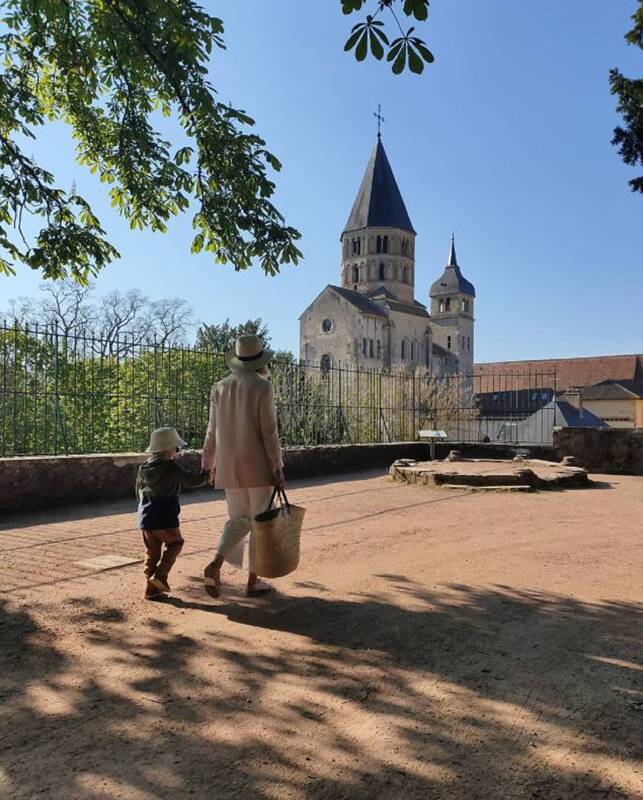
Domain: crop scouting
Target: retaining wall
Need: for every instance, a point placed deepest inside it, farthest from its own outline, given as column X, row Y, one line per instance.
column 38, row 482
column 617, row 451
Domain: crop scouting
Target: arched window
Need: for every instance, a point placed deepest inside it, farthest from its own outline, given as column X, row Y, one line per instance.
column 448, row 304
column 371, row 348
column 414, row 350
column 326, row 362
column 364, row 346
column 465, row 305
column 385, row 244
column 405, row 247
column 441, row 306
column 382, row 270
column 468, row 343
column 403, row 352
column 379, row 349
column 448, row 342
column 405, row 275
column 355, row 273
column 378, row 244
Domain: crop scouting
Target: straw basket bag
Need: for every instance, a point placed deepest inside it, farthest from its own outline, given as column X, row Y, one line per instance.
column 276, row 540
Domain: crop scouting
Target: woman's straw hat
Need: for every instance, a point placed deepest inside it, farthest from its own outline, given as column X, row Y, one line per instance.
column 248, row 353
column 164, row 439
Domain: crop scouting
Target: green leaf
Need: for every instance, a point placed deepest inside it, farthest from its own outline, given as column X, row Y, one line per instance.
column 353, row 39
column 423, row 50
column 362, row 47
column 400, row 61
column 376, row 47
column 417, row 8
column 415, row 62
column 348, row 6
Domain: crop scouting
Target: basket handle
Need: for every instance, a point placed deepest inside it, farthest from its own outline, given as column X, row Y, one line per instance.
column 283, row 500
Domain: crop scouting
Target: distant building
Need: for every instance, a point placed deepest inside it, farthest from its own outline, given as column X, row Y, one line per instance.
column 619, row 403
column 608, row 387
column 373, row 320
column 570, row 372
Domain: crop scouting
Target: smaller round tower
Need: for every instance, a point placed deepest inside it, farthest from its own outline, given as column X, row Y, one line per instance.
column 452, row 308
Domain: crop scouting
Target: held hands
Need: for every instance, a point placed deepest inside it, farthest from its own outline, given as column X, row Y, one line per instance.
column 210, row 469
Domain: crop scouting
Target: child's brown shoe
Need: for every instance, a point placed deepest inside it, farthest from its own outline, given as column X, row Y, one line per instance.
column 151, row 591
column 159, row 584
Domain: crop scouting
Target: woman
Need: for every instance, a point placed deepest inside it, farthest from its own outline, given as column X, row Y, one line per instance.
column 242, row 454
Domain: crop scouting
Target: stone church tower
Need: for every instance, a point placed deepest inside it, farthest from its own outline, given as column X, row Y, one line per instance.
column 452, row 299
column 372, row 319
column 378, row 242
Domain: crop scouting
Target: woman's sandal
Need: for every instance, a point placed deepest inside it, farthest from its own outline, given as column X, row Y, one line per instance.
column 212, row 585
column 259, row 587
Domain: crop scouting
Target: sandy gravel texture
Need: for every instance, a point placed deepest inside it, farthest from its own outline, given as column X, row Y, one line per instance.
column 433, row 644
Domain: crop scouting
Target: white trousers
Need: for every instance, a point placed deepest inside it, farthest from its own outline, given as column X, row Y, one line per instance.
column 243, row 504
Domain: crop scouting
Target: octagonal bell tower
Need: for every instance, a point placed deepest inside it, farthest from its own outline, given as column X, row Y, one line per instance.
column 452, row 312
column 378, row 241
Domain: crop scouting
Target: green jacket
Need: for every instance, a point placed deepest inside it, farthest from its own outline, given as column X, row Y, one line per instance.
column 158, row 486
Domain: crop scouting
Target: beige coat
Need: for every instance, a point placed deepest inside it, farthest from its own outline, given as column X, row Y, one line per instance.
column 242, row 440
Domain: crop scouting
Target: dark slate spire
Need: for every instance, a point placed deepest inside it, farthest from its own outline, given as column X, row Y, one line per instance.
column 379, row 203
column 452, row 279
column 453, row 261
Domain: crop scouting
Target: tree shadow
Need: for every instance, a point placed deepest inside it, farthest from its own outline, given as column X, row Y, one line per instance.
column 456, row 692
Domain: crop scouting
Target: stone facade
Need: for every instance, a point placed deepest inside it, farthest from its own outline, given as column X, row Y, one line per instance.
column 372, row 319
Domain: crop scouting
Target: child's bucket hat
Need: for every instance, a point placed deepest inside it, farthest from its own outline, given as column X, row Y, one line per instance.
column 164, row 439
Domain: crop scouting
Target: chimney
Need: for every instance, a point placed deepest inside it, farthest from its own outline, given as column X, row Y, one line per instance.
column 575, row 396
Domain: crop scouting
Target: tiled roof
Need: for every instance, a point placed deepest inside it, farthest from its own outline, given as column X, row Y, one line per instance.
column 613, row 390
column 360, row 301
column 520, row 403
column 570, row 372
column 575, row 418
column 417, row 309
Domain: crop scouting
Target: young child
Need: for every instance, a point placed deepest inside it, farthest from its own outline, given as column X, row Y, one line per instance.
column 158, row 486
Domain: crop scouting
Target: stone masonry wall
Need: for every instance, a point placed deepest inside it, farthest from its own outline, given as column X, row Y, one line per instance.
column 38, row 482
column 608, row 450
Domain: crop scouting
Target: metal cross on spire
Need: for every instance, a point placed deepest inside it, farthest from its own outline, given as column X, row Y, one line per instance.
column 380, row 119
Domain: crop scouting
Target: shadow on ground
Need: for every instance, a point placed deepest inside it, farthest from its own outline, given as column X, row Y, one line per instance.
column 460, row 693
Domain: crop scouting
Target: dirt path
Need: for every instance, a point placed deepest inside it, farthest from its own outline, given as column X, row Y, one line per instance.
column 433, row 645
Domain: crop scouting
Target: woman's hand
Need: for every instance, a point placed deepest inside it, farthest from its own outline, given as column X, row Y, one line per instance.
column 280, row 479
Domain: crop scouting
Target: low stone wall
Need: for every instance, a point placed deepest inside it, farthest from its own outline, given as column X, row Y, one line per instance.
column 617, row 451
column 38, row 482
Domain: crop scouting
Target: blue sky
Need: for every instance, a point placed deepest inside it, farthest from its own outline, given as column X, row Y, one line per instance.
column 506, row 139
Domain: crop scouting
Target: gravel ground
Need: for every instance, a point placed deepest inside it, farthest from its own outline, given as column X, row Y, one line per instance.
column 433, row 644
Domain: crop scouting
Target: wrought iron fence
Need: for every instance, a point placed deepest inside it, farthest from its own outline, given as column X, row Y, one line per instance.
column 74, row 392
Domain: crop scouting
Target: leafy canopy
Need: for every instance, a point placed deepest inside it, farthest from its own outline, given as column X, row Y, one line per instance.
column 106, row 68
column 406, row 50
column 629, row 137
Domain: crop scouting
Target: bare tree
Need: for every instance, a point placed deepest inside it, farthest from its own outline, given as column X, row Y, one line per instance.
column 66, row 306
column 115, row 324
column 169, row 320
column 121, row 323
